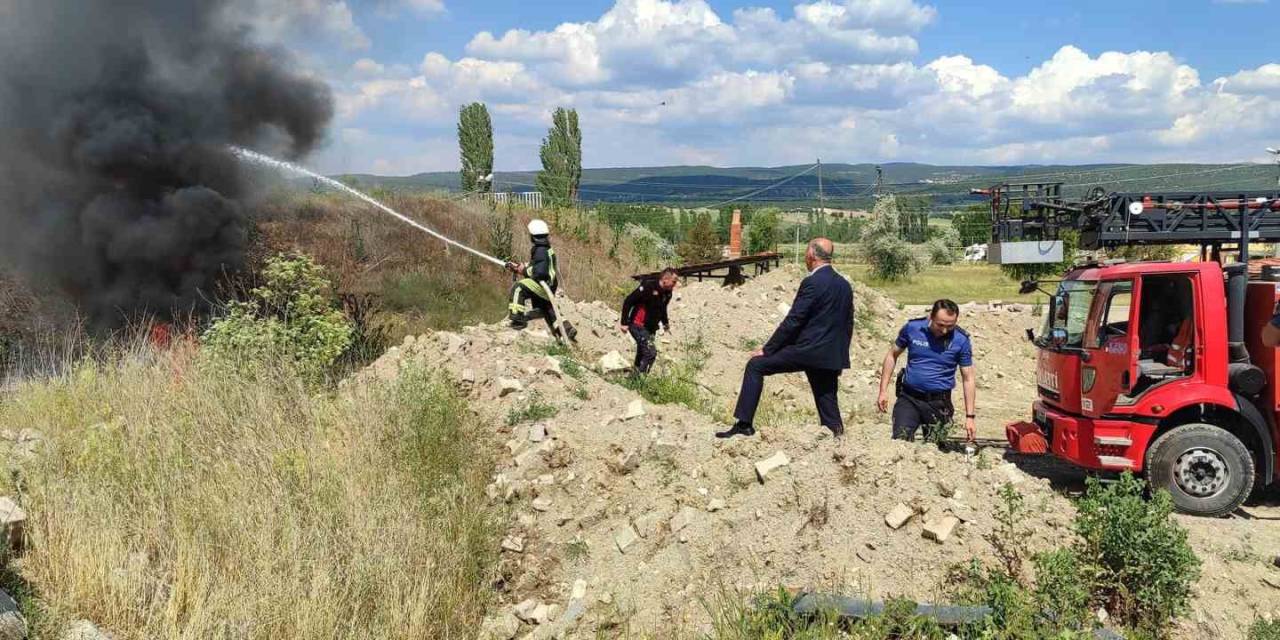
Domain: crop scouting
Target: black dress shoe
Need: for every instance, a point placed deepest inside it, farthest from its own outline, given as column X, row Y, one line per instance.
column 740, row 429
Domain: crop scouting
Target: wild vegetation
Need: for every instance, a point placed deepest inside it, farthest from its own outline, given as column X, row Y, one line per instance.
column 1144, row 583
column 883, row 247
column 174, row 496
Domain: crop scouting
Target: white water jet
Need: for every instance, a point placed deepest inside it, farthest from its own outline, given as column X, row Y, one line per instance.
column 265, row 160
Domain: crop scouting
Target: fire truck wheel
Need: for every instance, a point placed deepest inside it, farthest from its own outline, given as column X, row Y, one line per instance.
column 1208, row 471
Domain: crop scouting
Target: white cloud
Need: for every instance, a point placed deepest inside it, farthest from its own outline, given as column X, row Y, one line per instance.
column 664, row 42
column 659, row 81
column 368, row 67
column 882, row 15
column 425, row 6
column 1264, row 80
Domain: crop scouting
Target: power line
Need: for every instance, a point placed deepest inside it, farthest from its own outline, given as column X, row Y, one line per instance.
column 772, row 186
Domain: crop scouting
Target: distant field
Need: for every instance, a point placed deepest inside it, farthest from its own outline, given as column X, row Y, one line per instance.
column 962, row 283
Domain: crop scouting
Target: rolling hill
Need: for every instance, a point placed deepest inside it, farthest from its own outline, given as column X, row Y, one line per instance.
column 850, row 184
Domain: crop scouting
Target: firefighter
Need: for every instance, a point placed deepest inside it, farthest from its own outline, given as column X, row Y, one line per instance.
column 543, row 267
column 642, row 311
column 936, row 346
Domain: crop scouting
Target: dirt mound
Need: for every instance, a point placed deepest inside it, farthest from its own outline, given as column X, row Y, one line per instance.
column 631, row 515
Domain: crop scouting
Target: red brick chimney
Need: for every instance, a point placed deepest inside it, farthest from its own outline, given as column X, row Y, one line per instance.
column 735, row 235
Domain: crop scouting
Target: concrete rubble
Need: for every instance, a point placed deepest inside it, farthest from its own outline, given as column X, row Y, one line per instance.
column 899, row 516
column 770, row 464
column 686, row 512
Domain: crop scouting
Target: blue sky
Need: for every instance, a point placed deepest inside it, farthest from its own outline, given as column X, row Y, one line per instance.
column 771, row 82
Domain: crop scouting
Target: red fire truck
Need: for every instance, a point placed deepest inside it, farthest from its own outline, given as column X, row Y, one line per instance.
column 1152, row 367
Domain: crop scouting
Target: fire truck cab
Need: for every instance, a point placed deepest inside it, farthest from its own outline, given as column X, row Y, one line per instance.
column 1134, row 374
column 1152, row 367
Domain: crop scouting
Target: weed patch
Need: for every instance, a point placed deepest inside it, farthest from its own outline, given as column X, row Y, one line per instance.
column 533, row 410
column 1264, row 630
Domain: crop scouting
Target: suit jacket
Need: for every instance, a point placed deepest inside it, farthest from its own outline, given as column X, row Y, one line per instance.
column 819, row 327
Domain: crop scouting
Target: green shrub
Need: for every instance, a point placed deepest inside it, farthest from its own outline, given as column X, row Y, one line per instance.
column 883, row 248
column 1062, row 593
column 675, row 382
column 668, row 383
column 940, row 253
column 533, row 410
column 1145, row 568
column 763, row 232
column 942, row 247
column 1008, row 537
column 290, row 316
column 701, row 244
column 1129, row 558
column 1264, row 630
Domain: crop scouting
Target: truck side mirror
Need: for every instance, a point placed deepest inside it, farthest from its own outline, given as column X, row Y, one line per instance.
column 1057, row 337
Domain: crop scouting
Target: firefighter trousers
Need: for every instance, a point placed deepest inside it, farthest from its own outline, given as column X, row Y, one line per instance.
column 526, row 293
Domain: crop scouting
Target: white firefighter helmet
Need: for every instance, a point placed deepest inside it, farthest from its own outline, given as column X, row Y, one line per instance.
column 538, row 228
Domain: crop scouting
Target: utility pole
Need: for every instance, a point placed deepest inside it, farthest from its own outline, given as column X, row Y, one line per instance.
column 822, row 207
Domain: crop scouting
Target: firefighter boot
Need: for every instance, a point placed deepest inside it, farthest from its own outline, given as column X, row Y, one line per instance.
column 519, row 320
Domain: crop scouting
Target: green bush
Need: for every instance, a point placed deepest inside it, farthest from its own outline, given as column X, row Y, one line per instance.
column 1144, row 567
column 1264, row 630
column 1129, row 558
column 701, row 244
column 763, row 233
column 668, row 383
column 942, row 248
column 940, row 253
column 883, row 248
column 290, row 316
column 1061, row 595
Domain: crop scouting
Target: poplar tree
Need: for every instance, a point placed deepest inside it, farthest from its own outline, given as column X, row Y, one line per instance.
column 561, row 159
column 475, row 142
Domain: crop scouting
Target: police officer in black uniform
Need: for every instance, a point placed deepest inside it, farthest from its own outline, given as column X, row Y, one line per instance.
column 935, row 348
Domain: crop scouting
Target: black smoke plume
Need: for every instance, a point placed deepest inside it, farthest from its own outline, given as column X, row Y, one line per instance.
column 116, row 185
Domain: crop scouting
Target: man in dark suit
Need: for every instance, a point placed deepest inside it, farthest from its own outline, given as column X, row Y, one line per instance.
column 813, row 338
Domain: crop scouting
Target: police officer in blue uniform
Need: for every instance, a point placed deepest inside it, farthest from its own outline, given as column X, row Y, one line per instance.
column 935, row 347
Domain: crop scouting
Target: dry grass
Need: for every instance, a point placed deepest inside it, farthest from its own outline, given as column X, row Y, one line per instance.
column 415, row 281
column 172, row 500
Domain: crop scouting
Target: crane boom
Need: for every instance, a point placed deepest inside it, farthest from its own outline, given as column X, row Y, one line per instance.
column 1037, row 213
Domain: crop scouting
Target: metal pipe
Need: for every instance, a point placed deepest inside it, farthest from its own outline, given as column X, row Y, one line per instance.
column 945, row 615
column 1237, row 281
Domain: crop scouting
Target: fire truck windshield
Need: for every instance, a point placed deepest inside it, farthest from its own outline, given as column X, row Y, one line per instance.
column 1069, row 310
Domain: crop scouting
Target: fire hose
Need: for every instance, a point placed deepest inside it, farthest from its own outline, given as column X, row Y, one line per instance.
column 268, row 161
